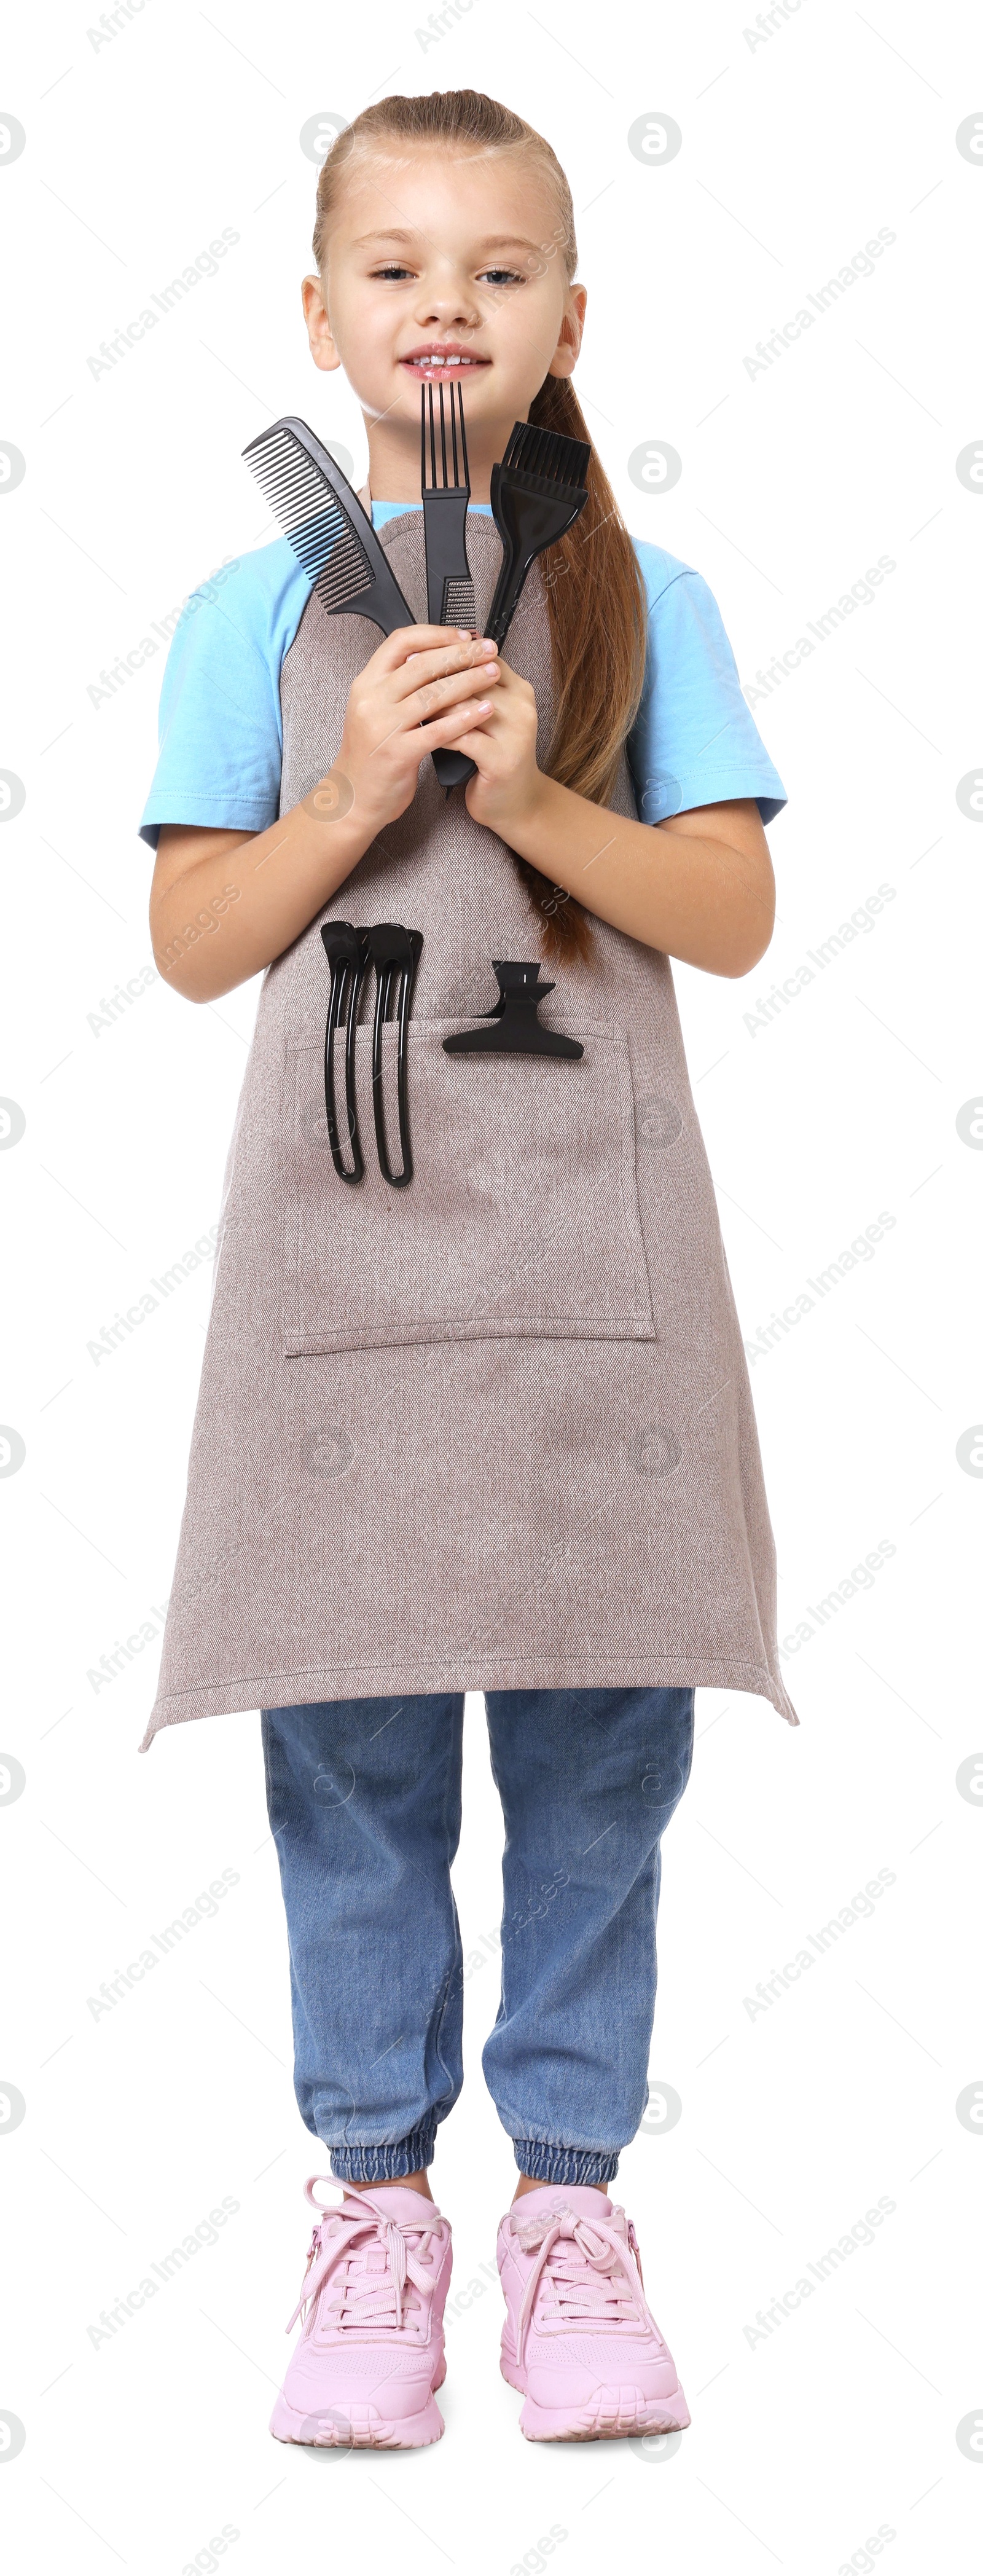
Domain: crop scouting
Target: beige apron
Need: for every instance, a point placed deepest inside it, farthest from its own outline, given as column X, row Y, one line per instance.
column 493, row 1431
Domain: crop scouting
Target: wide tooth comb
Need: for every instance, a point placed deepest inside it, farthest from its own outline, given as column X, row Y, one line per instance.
column 445, row 491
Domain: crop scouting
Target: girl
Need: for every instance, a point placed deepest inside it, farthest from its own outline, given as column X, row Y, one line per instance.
column 493, row 1431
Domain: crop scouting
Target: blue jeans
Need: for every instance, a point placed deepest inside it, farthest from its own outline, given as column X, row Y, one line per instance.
column 364, row 1799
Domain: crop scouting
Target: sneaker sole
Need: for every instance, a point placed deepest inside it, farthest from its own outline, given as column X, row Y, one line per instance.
column 612, row 2414
column 365, row 2429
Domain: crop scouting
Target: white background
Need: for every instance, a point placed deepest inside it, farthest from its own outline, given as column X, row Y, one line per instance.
column 794, row 2122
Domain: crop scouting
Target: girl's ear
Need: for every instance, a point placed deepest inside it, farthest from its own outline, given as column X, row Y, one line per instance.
column 567, row 350
column 319, row 333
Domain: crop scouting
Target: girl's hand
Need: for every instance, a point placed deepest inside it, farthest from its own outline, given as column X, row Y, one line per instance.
column 508, row 788
column 421, row 677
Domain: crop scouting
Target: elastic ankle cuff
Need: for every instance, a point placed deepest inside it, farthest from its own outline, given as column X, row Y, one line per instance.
column 384, row 2164
column 583, row 2165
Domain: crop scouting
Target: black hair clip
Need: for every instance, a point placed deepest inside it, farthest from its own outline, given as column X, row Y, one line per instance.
column 512, row 1026
column 347, row 952
column 394, row 953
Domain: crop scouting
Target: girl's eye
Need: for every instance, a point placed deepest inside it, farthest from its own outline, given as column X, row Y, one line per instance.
column 393, row 270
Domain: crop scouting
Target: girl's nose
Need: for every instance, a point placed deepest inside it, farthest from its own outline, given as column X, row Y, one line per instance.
column 450, row 309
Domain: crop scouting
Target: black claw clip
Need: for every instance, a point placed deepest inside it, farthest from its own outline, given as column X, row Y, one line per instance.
column 394, row 953
column 347, row 952
column 512, row 1026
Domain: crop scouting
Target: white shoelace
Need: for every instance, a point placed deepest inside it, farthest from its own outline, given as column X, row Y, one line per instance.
column 376, row 2268
column 586, row 2264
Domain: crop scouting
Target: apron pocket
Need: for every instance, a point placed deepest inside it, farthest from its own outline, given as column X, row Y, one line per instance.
column 522, row 1216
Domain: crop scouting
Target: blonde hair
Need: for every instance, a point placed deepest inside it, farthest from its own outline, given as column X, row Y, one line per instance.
column 598, row 660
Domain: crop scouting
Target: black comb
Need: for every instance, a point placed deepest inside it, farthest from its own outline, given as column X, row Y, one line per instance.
column 445, row 491
column 329, row 531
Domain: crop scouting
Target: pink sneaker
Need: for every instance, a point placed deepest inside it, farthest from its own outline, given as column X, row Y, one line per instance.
column 372, row 2349
column 579, row 2339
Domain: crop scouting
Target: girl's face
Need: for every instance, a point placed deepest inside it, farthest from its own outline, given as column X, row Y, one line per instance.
column 443, row 266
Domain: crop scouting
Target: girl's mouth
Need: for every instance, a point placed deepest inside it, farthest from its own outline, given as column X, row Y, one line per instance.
column 435, row 365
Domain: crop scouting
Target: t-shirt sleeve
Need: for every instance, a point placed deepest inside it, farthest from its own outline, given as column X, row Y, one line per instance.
column 220, row 727
column 694, row 741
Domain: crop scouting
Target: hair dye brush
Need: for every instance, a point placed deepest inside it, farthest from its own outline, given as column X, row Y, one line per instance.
column 537, row 492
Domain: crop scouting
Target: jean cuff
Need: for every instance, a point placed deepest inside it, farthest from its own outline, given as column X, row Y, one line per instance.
column 545, row 2163
column 384, row 2164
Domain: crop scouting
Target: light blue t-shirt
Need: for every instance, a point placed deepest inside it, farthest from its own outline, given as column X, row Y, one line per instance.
column 694, row 742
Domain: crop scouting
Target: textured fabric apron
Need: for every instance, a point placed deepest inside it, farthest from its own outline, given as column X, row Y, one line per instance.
column 493, row 1431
